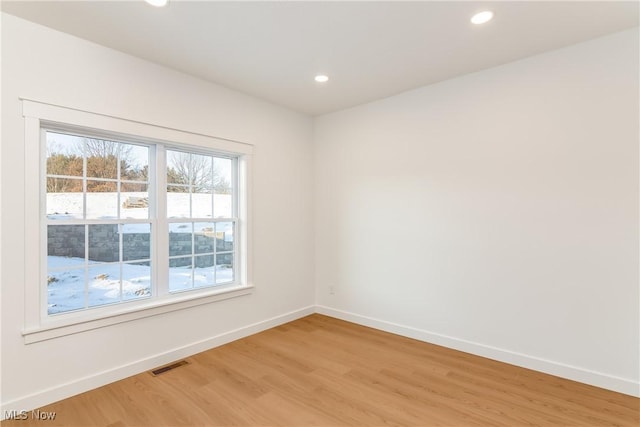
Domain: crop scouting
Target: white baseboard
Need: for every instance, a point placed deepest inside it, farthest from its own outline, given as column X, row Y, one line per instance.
column 598, row 379
column 99, row 379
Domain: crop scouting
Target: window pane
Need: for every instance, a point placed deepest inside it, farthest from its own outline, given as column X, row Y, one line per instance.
column 204, row 273
column 224, row 268
column 134, row 162
column 204, row 237
column 65, row 290
column 180, row 273
column 136, row 280
column 222, row 206
column 180, row 239
column 104, row 243
column 65, row 245
column 64, row 164
column 104, row 284
column 178, row 202
column 224, row 236
column 185, row 261
column 95, row 186
column 64, row 154
column 135, row 200
column 222, row 182
column 133, row 187
column 102, row 200
column 201, row 173
column 64, row 198
column 102, row 158
column 136, row 241
column 178, row 167
column 202, row 204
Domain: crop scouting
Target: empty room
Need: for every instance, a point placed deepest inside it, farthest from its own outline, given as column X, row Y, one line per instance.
column 320, row 213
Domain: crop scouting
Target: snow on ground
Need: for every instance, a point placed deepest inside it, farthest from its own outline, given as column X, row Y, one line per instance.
column 66, row 284
column 105, row 205
column 66, row 288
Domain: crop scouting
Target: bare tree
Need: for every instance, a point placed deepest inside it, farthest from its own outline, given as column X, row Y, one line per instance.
column 201, row 173
column 190, row 169
column 103, row 158
column 102, row 148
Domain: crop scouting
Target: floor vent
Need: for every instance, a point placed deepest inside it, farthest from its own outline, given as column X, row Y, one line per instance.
column 167, row 368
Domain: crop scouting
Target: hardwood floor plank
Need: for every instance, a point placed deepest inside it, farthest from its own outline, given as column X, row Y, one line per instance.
column 321, row 371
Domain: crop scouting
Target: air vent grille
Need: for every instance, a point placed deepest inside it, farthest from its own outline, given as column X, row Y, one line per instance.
column 167, row 368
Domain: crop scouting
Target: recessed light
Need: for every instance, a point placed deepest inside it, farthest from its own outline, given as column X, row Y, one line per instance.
column 157, row 3
column 321, row 78
column 482, row 17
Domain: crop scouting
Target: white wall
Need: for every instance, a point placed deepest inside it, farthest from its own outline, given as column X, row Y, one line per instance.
column 496, row 212
column 49, row 66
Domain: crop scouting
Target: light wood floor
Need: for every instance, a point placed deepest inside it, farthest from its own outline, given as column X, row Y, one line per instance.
column 325, row 372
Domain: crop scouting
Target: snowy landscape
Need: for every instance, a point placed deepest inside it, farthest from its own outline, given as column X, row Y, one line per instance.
column 75, row 283
column 105, row 205
column 66, row 288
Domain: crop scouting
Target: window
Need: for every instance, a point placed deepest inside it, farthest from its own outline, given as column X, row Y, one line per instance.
column 200, row 210
column 98, row 223
column 135, row 221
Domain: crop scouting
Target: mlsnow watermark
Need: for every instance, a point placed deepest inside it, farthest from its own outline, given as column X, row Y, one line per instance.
column 29, row 415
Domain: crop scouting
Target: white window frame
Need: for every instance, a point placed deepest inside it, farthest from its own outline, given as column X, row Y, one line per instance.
column 38, row 116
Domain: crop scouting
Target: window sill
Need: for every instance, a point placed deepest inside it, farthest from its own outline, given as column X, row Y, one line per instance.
column 82, row 321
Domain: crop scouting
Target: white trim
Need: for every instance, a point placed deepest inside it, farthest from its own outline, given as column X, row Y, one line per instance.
column 74, row 323
column 38, row 325
column 161, row 239
column 111, row 124
column 598, row 379
column 99, row 379
column 35, row 234
column 82, row 385
column 244, row 245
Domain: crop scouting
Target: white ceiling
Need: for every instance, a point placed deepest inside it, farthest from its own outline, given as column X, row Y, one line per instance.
column 370, row 50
